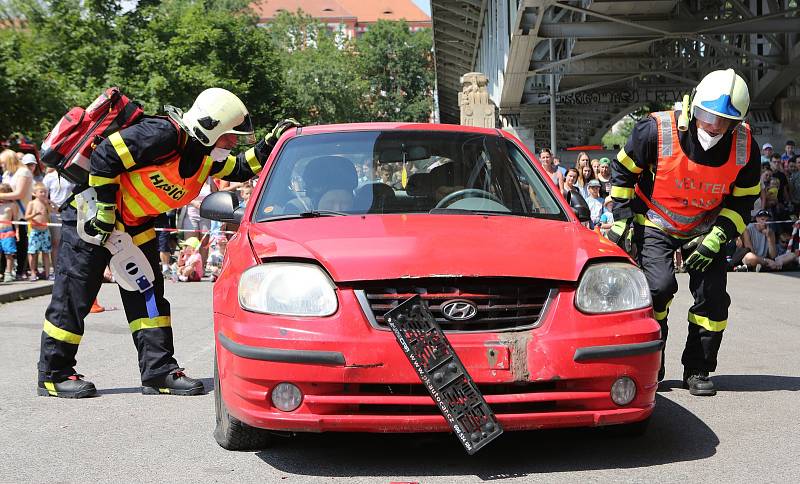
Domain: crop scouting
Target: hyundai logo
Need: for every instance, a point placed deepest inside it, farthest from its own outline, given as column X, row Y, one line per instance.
column 459, row 310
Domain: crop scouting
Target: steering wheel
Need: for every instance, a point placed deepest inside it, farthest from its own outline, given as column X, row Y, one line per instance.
column 466, row 193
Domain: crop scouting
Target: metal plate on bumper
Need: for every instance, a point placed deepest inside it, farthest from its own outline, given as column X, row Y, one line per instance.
column 443, row 374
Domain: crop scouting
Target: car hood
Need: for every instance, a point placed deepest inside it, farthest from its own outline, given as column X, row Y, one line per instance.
column 373, row 247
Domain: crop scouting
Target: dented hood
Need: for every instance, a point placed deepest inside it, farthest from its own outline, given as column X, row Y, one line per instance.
column 373, row 247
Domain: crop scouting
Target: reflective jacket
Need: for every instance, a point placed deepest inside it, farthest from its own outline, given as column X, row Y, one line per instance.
column 153, row 166
column 665, row 179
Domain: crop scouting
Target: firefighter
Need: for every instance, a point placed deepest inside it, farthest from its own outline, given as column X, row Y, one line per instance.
column 683, row 175
column 149, row 168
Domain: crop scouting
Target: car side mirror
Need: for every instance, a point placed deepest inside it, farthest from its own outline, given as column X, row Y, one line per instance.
column 222, row 207
column 579, row 206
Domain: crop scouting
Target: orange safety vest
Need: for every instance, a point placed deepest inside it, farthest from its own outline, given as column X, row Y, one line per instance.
column 687, row 196
column 152, row 190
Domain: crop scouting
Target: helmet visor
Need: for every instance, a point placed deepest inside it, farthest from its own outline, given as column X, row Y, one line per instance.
column 714, row 122
column 245, row 131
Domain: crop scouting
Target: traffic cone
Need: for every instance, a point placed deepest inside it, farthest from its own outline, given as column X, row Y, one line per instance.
column 96, row 307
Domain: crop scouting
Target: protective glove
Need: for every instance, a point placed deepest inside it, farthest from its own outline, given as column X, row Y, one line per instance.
column 620, row 232
column 279, row 129
column 704, row 254
column 102, row 224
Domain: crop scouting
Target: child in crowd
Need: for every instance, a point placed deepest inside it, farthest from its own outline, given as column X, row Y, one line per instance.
column 37, row 213
column 190, row 263
column 595, row 202
column 219, row 243
column 245, row 191
column 9, row 211
column 607, row 218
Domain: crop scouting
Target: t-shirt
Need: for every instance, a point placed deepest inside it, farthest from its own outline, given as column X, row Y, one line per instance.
column 794, row 187
column 759, row 241
column 60, row 188
column 13, row 179
column 595, row 209
column 195, row 260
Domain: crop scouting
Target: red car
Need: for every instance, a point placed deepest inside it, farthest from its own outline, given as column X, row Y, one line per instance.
column 553, row 322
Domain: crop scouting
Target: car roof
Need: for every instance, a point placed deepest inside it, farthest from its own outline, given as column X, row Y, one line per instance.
column 339, row 128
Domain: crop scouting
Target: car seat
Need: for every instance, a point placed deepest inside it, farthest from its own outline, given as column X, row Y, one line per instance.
column 327, row 173
column 373, row 197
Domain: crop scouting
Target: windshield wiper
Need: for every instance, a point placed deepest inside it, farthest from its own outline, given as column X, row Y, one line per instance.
column 308, row 214
column 462, row 211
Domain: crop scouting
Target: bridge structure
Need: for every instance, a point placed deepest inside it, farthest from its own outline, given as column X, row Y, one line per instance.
column 562, row 72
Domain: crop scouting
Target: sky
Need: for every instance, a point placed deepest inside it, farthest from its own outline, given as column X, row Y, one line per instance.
column 425, row 5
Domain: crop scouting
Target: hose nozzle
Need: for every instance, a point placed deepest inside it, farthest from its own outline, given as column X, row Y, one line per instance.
column 683, row 120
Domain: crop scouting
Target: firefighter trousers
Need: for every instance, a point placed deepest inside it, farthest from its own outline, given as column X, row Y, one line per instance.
column 79, row 274
column 707, row 317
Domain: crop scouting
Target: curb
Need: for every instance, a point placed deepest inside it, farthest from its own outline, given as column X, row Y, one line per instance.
column 26, row 293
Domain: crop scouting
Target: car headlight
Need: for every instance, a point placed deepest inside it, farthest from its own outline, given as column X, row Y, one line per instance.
column 611, row 287
column 288, row 289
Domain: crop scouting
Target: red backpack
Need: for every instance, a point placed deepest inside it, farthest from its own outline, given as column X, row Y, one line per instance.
column 68, row 146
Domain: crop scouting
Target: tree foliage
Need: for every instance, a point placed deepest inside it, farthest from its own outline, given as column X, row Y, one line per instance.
column 55, row 54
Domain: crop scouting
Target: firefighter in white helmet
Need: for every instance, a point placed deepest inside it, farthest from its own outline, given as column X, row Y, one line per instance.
column 686, row 180
column 149, row 168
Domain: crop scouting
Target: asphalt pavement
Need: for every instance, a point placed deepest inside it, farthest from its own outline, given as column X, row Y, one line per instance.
column 748, row 432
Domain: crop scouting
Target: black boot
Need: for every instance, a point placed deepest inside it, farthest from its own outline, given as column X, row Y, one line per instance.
column 173, row 383
column 73, row 387
column 698, row 383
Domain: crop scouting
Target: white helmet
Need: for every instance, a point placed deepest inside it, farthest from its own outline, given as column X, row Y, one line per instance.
column 214, row 113
column 721, row 94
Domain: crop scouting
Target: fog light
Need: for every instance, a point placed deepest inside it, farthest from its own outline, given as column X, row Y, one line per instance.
column 623, row 391
column 286, row 397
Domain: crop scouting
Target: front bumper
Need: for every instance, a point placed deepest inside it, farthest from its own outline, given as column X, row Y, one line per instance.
column 356, row 378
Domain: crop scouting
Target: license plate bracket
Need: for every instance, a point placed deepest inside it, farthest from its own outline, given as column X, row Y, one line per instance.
column 443, row 374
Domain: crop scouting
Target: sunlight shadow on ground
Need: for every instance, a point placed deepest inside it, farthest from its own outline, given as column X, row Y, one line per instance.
column 675, row 435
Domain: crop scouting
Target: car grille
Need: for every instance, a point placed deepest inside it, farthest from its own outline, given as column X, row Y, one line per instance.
column 502, row 304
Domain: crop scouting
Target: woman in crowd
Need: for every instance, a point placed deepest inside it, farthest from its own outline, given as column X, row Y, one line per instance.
column 20, row 178
column 585, row 175
column 571, row 188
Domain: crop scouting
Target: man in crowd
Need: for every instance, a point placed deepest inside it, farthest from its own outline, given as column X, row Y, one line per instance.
column 760, row 241
column 682, row 175
column 156, row 165
column 766, row 152
column 788, row 152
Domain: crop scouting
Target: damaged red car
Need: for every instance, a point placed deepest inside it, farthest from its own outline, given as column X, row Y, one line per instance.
column 553, row 322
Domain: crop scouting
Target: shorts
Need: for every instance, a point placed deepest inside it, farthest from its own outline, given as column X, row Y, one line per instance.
column 39, row 241
column 8, row 245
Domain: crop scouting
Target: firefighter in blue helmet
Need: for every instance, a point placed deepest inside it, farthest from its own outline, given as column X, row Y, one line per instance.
column 156, row 165
column 687, row 181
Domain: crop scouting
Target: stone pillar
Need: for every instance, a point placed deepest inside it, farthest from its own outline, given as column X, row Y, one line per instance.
column 476, row 108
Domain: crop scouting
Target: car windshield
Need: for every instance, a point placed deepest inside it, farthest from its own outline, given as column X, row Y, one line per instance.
column 403, row 172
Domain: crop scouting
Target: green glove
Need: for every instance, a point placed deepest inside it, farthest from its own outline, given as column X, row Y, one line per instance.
column 619, row 232
column 102, row 224
column 704, row 254
column 279, row 129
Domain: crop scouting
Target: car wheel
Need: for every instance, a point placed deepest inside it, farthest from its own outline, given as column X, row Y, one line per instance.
column 230, row 433
column 631, row 430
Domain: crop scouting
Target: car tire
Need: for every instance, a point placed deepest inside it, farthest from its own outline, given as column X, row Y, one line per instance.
column 230, row 433
column 631, row 430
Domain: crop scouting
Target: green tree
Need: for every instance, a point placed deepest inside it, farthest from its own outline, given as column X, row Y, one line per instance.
column 161, row 53
column 321, row 84
column 397, row 63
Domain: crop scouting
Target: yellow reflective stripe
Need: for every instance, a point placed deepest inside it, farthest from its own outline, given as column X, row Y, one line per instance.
column 61, row 334
column 132, row 205
column 659, row 315
column 99, row 181
column 144, row 237
column 709, row 324
column 51, row 388
column 628, row 162
column 250, row 156
column 122, row 150
column 163, row 390
column 207, row 164
column 733, row 217
column 622, row 192
column 230, row 164
column 150, row 323
column 152, row 198
column 743, row 192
